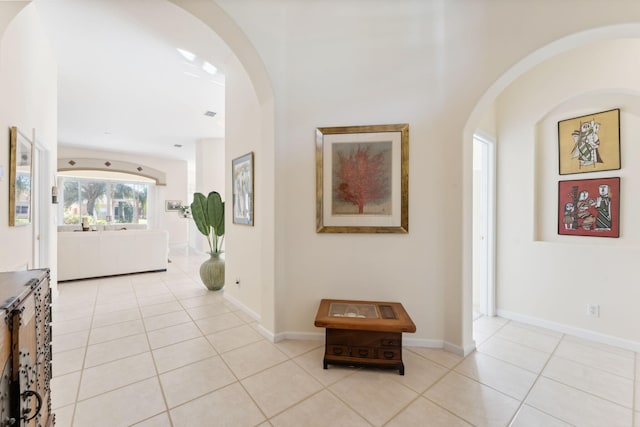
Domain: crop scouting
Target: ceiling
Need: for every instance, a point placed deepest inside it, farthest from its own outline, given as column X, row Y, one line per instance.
column 122, row 83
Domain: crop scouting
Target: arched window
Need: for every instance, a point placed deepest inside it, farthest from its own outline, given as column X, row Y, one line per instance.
column 104, row 197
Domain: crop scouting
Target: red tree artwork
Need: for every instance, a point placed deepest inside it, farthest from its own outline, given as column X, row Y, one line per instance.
column 362, row 174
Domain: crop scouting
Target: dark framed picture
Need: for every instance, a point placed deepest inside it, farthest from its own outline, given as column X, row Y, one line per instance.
column 362, row 179
column 589, row 143
column 589, row 207
column 172, row 205
column 242, row 182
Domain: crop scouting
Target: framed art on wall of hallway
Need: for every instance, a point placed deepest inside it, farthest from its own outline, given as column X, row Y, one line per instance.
column 20, row 178
column 242, row 182
column 589, row 207
column 589, row 143
column 362, row 179
column 172, row 205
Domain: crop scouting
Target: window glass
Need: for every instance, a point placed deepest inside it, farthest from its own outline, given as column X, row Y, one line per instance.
column 103, row 201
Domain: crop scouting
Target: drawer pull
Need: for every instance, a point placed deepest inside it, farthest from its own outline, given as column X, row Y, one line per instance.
column 363, row 352
column 337, row 351
column 389, row 354
column 25, row 396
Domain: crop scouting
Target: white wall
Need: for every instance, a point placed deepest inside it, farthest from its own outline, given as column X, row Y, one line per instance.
column 210, row 176
column 542, row 275
column 426, row 63
column 176, row 188
column 29, row 101
column 244, row 244
column 357, row 62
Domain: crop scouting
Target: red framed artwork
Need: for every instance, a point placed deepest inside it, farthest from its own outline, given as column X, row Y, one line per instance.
column 589, row 207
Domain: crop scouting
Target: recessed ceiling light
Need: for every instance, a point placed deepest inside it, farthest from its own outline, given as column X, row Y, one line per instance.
column 211, row 69
column 186, row 54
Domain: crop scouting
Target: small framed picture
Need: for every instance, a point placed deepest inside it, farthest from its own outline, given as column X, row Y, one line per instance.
column 20, row 178
column 589, row 207
column 589, row 143
column 242, row 175
column 172, row 205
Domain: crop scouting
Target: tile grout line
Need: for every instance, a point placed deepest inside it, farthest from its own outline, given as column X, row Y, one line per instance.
column 526, row 396
column 538, row 375
column 155, row 364
column 323, row 387
column 217, row 354
column 155, row 367
column 452, row 369
column 84, row 359
column 95, row 297
column 590, row 393
column 552, row 354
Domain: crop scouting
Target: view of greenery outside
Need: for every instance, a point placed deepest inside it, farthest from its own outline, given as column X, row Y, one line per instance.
column 103, row 201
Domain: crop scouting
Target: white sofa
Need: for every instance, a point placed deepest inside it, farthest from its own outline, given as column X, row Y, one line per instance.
column 90, row 254
column 103, row 227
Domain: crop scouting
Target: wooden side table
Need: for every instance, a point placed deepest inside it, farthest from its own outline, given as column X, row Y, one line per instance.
column 363, row 333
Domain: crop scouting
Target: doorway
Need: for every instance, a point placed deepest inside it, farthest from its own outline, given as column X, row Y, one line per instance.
column 41, row 206
column 483, row 226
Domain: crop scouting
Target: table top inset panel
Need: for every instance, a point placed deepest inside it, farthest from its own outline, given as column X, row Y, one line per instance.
column 363, row 315
column 363, row 311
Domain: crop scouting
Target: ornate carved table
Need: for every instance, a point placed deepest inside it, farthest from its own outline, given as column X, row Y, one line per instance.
column 363, row 333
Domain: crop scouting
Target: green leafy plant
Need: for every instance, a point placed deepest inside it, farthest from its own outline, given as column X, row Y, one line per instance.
column 208, row 214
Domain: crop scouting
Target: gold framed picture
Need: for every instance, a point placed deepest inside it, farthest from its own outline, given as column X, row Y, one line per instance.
column 362, row 179
column 20, row 178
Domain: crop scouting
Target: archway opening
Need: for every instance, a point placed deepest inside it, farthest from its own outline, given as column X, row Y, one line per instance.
column 544, row 207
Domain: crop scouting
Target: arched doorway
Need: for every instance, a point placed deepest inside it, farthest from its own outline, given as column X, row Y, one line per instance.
column 250, row 62
column 557, row 49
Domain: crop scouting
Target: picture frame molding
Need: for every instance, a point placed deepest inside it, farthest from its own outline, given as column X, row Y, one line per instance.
column 323, row 195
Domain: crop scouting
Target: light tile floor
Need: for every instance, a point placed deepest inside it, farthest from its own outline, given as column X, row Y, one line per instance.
column 159, row 350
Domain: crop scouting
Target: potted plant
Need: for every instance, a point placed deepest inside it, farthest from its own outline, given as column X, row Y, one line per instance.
column 208, row 214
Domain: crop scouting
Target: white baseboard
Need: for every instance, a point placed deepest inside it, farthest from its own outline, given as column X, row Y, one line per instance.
column 463, row 351
column 303, row 336
column 319, row 336
column 421, row 342
column 571, row 330
column 266, row 333
column 255, row 316
column 246, row 310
